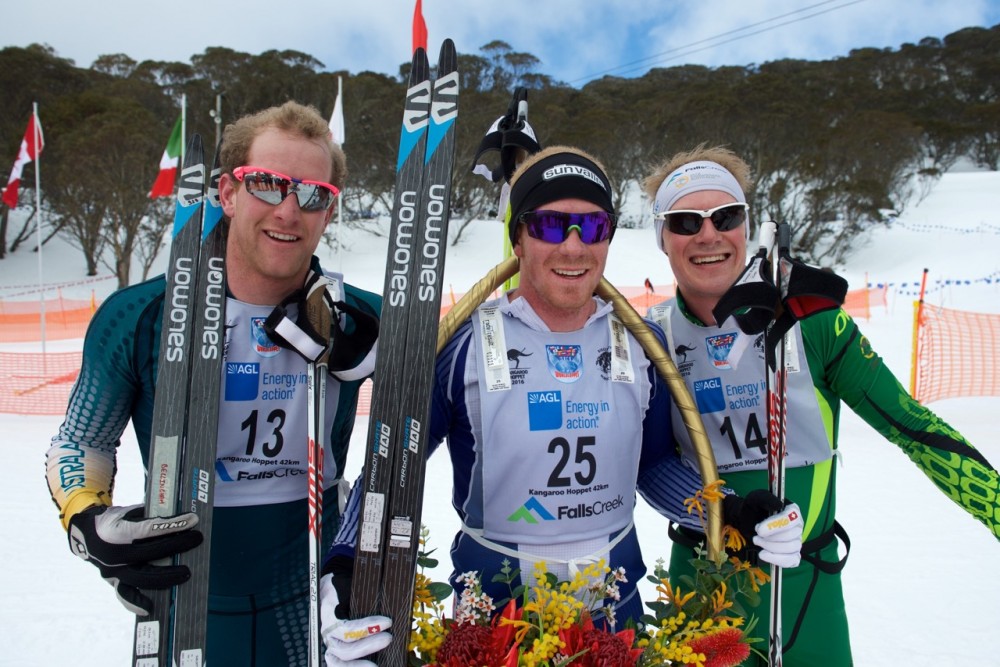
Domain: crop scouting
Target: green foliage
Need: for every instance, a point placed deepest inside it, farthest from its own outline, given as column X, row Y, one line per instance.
column 831, row 144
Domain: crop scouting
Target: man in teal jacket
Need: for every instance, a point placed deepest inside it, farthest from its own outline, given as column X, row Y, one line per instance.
column 280, row 177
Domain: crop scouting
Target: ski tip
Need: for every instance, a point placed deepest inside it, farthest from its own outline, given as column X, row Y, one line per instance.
column 447, row 56
column 420, row 69
column 195, row 151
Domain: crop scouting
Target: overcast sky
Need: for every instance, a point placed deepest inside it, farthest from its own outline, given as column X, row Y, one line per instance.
column 576, row 40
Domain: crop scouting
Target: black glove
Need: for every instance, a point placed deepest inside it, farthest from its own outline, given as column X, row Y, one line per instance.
column 349, row 642
column 771, row 527
column 342, row 569
column 122, row 544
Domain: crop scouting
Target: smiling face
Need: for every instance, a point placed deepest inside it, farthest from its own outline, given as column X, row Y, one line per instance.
column 269, row 247
column 559, row 279
column 706, row 264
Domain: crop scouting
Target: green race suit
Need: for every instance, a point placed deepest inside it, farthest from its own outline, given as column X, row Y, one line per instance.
column 842, row 367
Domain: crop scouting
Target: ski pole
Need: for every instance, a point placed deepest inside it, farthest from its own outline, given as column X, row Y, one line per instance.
column 320, row 318
column 776, row 377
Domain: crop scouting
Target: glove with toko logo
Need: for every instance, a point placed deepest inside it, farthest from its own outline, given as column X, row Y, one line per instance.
column 771, row 527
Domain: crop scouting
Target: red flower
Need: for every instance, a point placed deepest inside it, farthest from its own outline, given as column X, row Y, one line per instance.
column 603, row 649
column 724, row 648
column 469, row 644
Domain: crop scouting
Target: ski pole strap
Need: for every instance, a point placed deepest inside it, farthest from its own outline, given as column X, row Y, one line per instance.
column 752, row 299
column 808, row 290
column 511, row 137
column 295, row 335
column 353, row 357
column 811, row 549
column 298, row 333
column 690, row 538
column 776, row 335
column 351, row 354
column 573, row 563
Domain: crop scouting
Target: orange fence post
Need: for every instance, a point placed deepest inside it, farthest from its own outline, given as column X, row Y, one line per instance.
column 918, row 306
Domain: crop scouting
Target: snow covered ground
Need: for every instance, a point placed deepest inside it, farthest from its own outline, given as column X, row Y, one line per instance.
column 921, row 583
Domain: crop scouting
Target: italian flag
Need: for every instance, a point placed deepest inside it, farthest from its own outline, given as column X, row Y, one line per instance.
column 164, row 185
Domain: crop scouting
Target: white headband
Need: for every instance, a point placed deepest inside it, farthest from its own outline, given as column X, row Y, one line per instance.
column 695, row 177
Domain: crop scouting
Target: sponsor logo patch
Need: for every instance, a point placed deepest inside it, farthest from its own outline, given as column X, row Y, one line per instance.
column 530, row 512
column 544, row 410
column 242, row 381
column 708, row 395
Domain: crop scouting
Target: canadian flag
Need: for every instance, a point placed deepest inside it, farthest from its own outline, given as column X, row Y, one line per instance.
column 31, row 147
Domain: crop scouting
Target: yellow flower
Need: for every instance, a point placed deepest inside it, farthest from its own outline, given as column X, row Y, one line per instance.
column 711, row 493
column 733, row 538
column 720, row 601
column 673, row 596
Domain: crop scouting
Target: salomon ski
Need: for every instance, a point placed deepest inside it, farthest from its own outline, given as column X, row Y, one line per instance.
column 151, row 646
column 383, row 421
column 190, row 616
column 430, row 239
column 393, row 480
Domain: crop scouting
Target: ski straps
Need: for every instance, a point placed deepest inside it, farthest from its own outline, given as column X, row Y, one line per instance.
column 811, row 548
column 758, row 305
column 511, row 137
column 573, row 563
column 690, row 538
column 298, row 334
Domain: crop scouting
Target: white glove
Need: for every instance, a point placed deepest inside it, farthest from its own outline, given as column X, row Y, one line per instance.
column 774, row 527
column 780, row 537
column 349, row 641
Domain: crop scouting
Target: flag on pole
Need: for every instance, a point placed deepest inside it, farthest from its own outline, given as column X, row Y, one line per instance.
column 649, row 286
column 337, row 130
column 419, row 27
column 31, row 147
column 164, row 185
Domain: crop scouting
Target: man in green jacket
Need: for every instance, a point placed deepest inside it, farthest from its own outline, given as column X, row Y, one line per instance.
column 702, row 225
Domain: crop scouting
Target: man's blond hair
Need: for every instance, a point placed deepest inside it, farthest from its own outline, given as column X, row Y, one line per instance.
column 292, row 117
column 718, row 154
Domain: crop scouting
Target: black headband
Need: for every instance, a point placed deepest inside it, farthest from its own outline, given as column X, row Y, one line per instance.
column 554, row 177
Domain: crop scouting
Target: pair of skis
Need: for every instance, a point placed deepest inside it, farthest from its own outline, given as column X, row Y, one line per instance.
column 770, row 296
column 181, row 470
column 393, row 479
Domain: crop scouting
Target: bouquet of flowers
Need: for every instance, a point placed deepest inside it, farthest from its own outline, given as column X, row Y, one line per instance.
column 699, row 622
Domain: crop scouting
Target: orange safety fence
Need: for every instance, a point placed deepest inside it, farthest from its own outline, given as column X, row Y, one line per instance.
column 957, row 354
column 33, row 383
column 21, row 321
column 858, row 302
column 39, row 384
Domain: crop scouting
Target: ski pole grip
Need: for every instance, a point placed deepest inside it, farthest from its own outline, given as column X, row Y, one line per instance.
column 320, row 318
column 784, row 238
column 765, row 237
